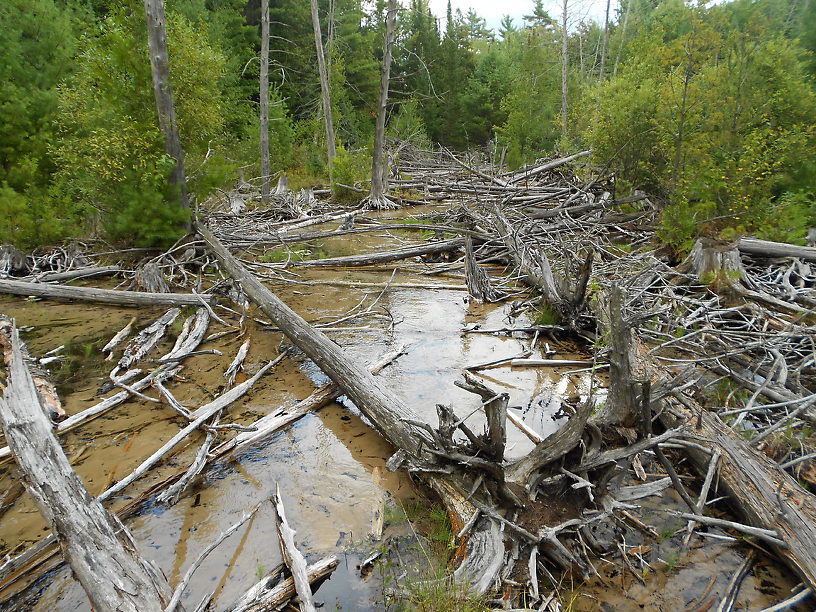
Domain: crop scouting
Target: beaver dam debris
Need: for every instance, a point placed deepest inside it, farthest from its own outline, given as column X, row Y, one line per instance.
column 702, row 381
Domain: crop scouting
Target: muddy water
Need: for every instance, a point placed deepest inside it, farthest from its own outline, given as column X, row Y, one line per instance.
column 329, row 465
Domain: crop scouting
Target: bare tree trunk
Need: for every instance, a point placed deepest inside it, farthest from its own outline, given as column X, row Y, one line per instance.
column 163, row 91
column 264, row 118
column 100, row 550
column 377, row 197
column 605, row 43
column 623, row 37
column 324, row 88
column 564, row 66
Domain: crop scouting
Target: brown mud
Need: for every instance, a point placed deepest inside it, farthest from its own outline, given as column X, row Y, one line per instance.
column 330, row 465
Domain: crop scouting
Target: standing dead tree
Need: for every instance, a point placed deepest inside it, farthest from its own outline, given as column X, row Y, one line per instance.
column 331, row 151
column 163, row 91
column 264, row 106
column 100, row 550
column 377, row 198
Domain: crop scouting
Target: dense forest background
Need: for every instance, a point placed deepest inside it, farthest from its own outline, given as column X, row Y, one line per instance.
column 709, row 108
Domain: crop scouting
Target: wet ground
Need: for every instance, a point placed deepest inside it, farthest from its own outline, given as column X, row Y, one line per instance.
column 329, row 465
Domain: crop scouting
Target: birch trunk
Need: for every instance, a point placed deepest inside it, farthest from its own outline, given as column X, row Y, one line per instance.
column 331, row 152
column 163, row 92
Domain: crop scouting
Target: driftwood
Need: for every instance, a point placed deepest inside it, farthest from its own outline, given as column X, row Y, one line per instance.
column 102, row 296
column 100, row 550
column 766, row 248
column 291, row 555
column 384, row 256
column 375, row 401
column 526, row 174
column 759, row 489
column 263, row 428
column 86, row 272
column 262, row 597
column 45, row 388
column 147, row 339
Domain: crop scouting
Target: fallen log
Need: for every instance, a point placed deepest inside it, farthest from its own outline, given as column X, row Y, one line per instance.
column 47, row 391
column 87, row 272
column 100, row 550
column 380, row 405
column 43, row 551
column 766, row 248
column 292, row 557
column 525, row 174
column 262, row 597
column 102, row 296
column 383, row 256
column 388, row 413
column 758, row 488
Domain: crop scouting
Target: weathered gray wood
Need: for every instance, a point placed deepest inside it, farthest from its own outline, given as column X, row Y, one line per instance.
column 761, row 491
column 478, row 282
column 88, row 272
column 368, row 259
column 100, row 550
column 199, row 417
column 379, row 404
column 262, row 598
column 147, row 339
column 49, row 399
column 325, row 91
column 766, row 248
column 291, row 555
column 163, row 92
column 551, row 165
column 102, row 296
column 553, row 447
column 264, row 103
column 377, row 197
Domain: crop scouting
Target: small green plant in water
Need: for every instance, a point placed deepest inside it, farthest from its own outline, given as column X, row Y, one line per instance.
column 546, row 315
column 672, row 561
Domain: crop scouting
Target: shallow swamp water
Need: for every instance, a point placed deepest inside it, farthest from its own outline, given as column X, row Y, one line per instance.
column 330, row 465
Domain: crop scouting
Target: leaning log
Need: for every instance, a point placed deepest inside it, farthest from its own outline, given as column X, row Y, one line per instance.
column 386, row 411
column 102, row 296
column 100, row 550
column 759, row 489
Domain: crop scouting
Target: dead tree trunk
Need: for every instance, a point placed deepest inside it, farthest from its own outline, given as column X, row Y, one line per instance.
column 100, row 550
column 163, row 92
column 604, row 45
column 758, row 488
column 623, row 37
column 324, row 89
column 564, row 67
column 377, row 198
column 264, row 118
column 380, row 405
column 103, row 296
column 391, row 417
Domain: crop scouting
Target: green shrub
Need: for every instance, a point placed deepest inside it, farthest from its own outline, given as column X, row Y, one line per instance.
column 350, row 167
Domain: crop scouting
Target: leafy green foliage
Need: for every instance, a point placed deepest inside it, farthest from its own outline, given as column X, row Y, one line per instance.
column 350, row 167
column 110, row 150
